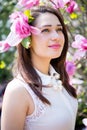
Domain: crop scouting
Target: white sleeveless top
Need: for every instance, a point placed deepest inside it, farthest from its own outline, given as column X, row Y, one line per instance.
column 60, row 115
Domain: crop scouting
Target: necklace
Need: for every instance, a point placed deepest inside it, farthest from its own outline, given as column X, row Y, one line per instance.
column 56, row 83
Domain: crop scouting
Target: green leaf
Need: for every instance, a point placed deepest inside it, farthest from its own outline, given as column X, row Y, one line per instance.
column 26, row 42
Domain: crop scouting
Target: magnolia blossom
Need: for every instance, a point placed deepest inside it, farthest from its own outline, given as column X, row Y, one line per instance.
column 28, row 3
column 20, row 29
column 71, row 6
column 70, row 68
column 80, row 43
column 21, row 25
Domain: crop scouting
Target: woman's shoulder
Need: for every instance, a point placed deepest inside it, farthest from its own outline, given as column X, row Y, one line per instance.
column 17, row 86
column 16, row 102
column 18, row 89
column 15, row 89
column 16, row 81
column 15, row 92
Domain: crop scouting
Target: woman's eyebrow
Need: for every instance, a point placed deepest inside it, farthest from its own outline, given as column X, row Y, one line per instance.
column 59, row 25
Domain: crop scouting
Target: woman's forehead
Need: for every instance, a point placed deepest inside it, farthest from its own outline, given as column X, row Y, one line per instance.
column 47, row 19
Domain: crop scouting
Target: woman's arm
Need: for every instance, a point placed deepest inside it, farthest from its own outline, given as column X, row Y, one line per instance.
column 14, row 108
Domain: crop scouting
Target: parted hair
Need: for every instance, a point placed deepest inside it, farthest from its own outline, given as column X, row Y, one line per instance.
column 25, row 66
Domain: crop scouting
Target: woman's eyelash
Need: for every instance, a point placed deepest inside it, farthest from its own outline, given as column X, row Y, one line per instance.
column 59, row 29
column 48, row 30
column 45, row 30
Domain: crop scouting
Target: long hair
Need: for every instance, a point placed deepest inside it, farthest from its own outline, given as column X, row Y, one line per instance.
column 25, row 66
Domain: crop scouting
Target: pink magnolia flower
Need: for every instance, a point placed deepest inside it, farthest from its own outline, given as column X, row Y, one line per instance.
column 71, row 6
column 4, row 46
column 58, row 3
column 80, row 43
column 21, row 25
column 20, row 29
column 28, row 3
column 70, row 68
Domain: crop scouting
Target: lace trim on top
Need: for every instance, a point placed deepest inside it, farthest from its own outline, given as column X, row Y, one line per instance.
column 39, row 110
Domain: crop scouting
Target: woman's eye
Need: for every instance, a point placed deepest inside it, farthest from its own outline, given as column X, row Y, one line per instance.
column 45, row 30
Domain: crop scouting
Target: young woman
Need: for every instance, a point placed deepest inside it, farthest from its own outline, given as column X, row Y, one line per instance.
column 40, row 96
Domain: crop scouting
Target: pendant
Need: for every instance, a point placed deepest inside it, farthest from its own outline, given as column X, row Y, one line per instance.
column 56, row 82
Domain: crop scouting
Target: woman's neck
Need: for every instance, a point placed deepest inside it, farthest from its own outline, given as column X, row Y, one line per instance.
column 42, row 65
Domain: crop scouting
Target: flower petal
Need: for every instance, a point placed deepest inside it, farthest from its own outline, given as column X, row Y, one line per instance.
column 13, row 39
column 28, row 3
column 80, row 42
column 70, row 68
column 78, row 55
column 58, row 3
column 4, row 46
column 35, row 30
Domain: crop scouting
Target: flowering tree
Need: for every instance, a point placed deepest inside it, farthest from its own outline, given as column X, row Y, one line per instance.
column 76, row 64
column 75, row 16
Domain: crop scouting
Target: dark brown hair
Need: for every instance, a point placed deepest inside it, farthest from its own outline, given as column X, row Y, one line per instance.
column 26, row 68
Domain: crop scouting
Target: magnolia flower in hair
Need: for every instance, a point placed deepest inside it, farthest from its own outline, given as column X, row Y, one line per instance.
column 20, row 30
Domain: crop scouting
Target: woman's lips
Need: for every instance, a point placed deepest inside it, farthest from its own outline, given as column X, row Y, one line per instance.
column 55, row 46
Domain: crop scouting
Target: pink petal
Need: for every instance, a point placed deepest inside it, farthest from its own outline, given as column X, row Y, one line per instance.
column 4, row 46
column 78, row 55
column 28, row 3
column 84, row 44
column 71, row 6
column 58, row 3
column 13, row 39
column 75, row 44
column 70, row 68
column 35, row 30
column 14, row 15
column 80, row 42
column 61, row 4
column 79, row 37
column 66, row 1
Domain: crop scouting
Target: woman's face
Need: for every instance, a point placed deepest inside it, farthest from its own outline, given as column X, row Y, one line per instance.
column 49, row 43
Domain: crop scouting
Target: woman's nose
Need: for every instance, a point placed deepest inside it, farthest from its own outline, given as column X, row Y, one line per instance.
column 54, row 35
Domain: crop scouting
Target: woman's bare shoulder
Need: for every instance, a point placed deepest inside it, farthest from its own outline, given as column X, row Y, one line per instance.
column 15, row 105
column 15, row 90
